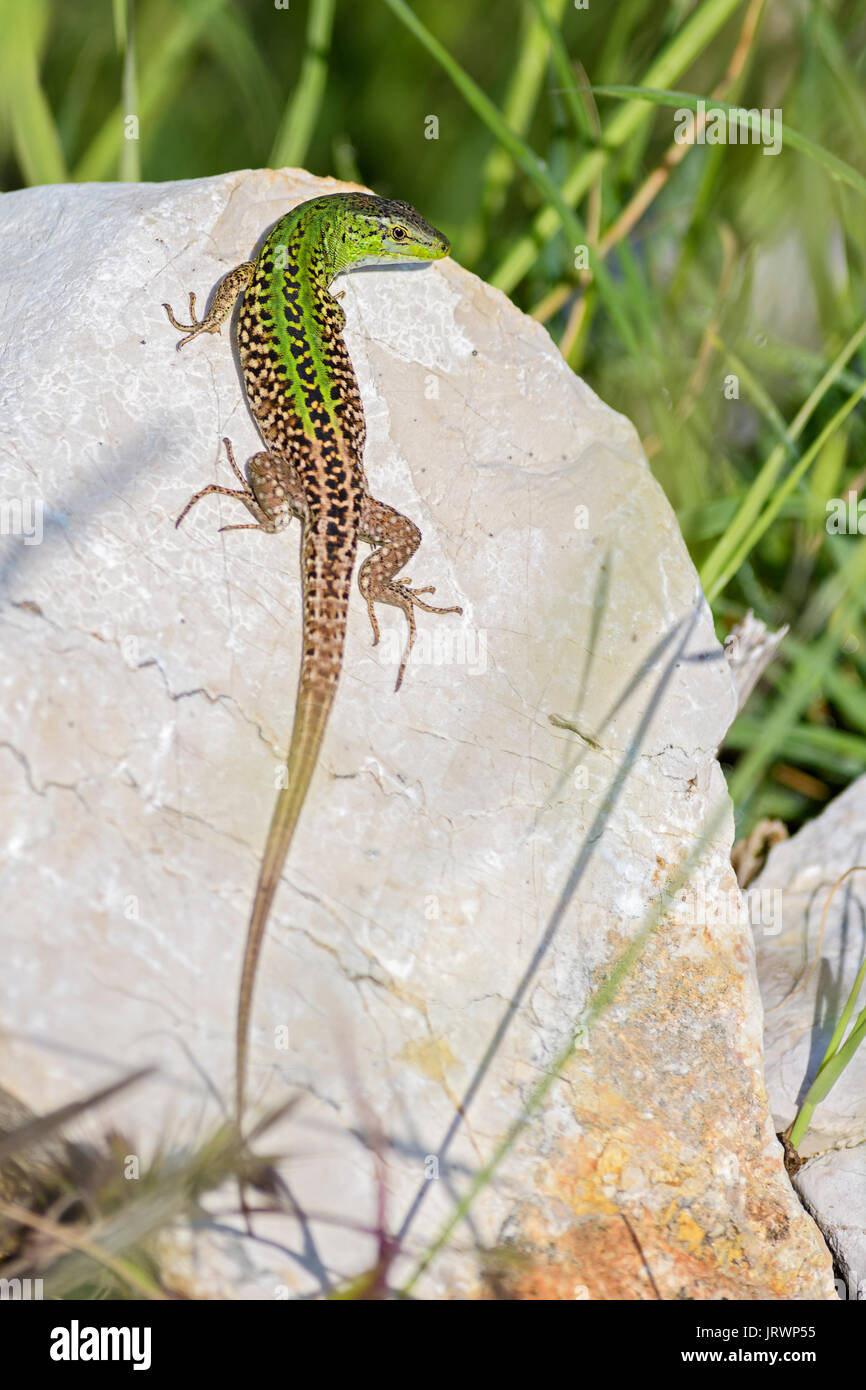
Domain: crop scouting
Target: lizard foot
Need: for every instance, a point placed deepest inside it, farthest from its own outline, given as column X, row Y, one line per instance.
column 244, row 494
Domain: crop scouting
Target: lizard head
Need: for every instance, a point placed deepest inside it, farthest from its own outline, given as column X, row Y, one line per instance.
column 375, row 229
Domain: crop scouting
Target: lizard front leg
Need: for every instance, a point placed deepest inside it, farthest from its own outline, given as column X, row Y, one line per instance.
column 227, row 291
column 396, row 539
column 273, row 494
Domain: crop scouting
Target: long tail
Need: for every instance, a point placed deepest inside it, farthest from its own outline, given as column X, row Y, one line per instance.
column 325, row 608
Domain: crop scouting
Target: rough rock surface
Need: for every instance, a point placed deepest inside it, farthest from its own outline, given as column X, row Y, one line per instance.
column 805, row 980
column 476, row 852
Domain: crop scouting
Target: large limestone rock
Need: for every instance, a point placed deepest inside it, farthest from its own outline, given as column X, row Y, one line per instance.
column 477, row 851
column 806, row 975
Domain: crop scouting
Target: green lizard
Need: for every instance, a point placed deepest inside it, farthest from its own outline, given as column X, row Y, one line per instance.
column 304, row 396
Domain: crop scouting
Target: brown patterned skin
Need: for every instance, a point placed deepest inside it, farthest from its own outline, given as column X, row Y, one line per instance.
column 304, row 395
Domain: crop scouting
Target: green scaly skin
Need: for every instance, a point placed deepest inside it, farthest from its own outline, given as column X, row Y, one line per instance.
column 304, row 396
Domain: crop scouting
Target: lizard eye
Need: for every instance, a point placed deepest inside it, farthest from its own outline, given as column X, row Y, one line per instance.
column 398, row 234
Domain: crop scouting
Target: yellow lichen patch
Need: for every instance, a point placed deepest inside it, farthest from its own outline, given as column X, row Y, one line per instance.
column 585, row 1178
column 688, row 1233
column 430, row 1056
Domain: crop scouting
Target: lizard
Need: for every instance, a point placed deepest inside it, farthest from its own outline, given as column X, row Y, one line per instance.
column 304, row 397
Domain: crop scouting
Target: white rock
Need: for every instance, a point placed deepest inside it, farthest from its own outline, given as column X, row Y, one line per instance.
column 476, row 852
column 805, row 980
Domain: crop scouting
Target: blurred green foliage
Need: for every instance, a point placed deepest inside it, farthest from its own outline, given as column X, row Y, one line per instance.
column 706, row 262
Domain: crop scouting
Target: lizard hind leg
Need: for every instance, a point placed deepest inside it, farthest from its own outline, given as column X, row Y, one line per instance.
column 278, row 489
column 396, row 539
column 273, row 494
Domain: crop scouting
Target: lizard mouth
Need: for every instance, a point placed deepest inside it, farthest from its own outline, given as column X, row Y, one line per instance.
column 428, row 250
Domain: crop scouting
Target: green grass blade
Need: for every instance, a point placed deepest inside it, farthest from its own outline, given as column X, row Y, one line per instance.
column 834, row 166
column 834, row 1044
column 828, row 1073
column 118, row 16
column 807, row 678
column 718, row 562
column 759, row 396
column 835, row 752
column 826, row 480
column 130, row 161
column 519, row 104
column 527, row 160
column 35, row 137
column 780, row 496
column 296, row 131
column 684, row 48
column 522, row 154
column 230, row 38
column 850, row 90
column 847, row 693
column 565, row 74
column 159, row 78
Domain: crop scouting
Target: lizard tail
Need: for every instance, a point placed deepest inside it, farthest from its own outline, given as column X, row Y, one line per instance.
column 326, row 602
column 313, row 708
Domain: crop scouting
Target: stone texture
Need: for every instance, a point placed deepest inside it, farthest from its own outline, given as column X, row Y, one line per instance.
column 476, row 852
column 805, row 979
